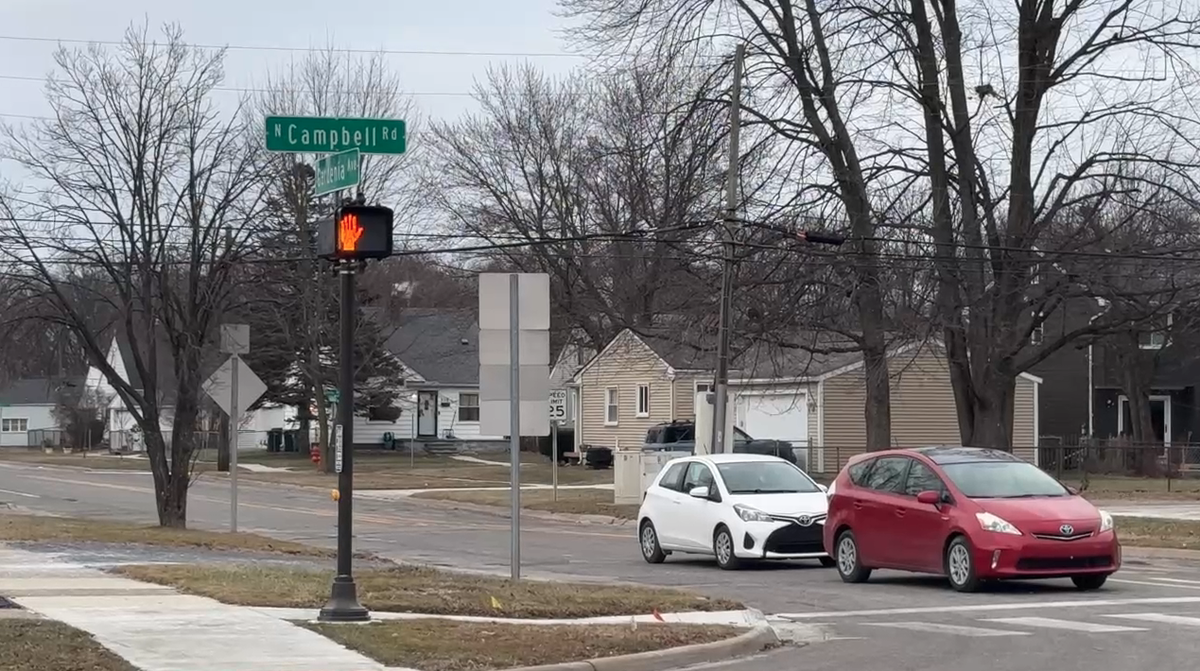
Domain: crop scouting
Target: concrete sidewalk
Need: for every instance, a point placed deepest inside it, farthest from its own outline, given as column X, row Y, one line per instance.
column 158, row 629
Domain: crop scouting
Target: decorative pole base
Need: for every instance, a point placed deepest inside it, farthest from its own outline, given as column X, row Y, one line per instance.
column 343, row 605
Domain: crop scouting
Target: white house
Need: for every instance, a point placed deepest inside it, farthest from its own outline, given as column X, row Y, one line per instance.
column 27, row 410
column 439, row 350
column 122, row 429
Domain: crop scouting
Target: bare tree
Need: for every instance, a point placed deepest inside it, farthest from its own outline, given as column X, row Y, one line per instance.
column 138, row 178
column 293, row 306
column 602, row 183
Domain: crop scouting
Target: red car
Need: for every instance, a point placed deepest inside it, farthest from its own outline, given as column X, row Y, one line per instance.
column 969, row 514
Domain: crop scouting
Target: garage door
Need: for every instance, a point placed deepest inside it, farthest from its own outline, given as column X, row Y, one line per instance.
column 776, row 416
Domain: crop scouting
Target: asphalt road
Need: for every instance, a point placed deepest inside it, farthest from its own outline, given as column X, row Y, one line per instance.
column 1149, row 614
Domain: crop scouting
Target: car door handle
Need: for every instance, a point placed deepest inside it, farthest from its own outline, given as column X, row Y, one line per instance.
column 857, row 505
column 899, row 512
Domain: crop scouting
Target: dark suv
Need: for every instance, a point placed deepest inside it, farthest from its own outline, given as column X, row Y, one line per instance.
column 680, row 436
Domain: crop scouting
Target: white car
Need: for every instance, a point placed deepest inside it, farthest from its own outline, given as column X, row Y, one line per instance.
column 733, row 507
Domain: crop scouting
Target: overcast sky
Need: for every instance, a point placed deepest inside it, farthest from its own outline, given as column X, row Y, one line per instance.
column 504, row 30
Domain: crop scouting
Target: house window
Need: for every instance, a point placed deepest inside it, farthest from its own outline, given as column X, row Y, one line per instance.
column 643, row 400
column 1156, row 339
column 468, row 407
column 383, row 414
column 15, row 425
column 612, row 400
column 1039, row 332
column 703, row 387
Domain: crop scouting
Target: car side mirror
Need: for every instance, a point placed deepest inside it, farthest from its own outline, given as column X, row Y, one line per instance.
column 1072, row 490
column 698, row 492
column 823, row 488
column 930, row 498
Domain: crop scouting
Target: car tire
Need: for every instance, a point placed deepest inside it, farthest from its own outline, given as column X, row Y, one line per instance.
column 960, row 566
column 828, row 562
column 723, row 550
column 1090, row 581
column 847, row 559
column 652, row 551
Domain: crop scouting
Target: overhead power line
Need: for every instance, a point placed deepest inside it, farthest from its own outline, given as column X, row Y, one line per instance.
column 262, row 89
column 268, row 47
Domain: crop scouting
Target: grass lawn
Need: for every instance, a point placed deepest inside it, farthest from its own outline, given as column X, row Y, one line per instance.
column 420, row 590
column 1111, row 487
column 572, row 501
column 1158, row 533
column 39, row 528
column 444, row 645
column 44, row 645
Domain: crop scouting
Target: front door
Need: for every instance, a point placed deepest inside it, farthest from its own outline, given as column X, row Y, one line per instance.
column 427, row 425
column 924, row 526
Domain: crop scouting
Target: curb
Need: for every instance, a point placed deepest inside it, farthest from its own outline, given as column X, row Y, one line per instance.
column 754, row 641
column 498, row 511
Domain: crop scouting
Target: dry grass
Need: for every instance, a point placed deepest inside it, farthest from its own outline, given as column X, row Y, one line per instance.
column 1129, row 488
column 39, row 528
column 93, row 460
column 571, row 501
column 1159, row 533
column 443, row 645
column 44, row 645
column 420, row 590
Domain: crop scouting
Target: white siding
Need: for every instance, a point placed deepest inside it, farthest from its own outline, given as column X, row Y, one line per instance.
column 371, row 433
column 35, row 416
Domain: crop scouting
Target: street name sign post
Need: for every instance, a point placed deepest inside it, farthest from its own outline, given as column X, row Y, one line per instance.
column 337, row 171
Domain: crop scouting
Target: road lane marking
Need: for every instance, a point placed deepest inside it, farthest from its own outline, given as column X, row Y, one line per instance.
column 9, row 491
column 1068, row 625
column 1160, row 618
column 984, row 607
column 1178, row 580
column 955, row 629
column 1154, row 584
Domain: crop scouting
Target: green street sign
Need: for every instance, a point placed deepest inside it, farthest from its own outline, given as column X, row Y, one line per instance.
column 333, row 395
column 336, row 172
column 326, row 135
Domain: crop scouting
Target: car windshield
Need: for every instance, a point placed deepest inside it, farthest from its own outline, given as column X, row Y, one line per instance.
column 1003, row 480
column 765, row 477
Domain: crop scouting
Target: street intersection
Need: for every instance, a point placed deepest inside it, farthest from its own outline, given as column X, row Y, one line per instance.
column 1149, row 613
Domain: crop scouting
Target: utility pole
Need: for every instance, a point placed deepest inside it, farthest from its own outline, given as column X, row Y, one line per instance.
column 721, row 384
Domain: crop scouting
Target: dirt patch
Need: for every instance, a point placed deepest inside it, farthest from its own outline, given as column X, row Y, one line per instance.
column 35, row 528
column 443, row 645
column 570, row 501
column 422, row 590
column 45, row 645
column 1158, row 533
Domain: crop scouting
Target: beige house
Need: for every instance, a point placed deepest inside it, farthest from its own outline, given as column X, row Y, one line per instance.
column 812, row 401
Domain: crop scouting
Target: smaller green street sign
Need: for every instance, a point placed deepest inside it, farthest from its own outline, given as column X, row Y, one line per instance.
column 326, row 135
column 333, row 395
column 336, row 172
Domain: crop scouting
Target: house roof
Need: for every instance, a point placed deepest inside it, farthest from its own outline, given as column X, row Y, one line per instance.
column 441, row 346
column 39, row 390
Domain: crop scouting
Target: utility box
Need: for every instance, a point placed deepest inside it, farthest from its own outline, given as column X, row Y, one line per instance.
column 704, row 422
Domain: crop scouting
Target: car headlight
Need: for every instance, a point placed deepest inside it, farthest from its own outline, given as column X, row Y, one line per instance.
column 990, row 522
column 1106, row 522
column 749, row 514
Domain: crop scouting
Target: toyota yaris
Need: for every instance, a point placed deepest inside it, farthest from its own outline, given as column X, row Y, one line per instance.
column 733, row 507
column 969, row 514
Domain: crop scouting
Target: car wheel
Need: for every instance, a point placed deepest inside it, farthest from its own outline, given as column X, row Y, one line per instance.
column 960, row 566
column 723, row 549
column 846, row 557
column 1090, row 581
column 652, row 552
column 828, row 562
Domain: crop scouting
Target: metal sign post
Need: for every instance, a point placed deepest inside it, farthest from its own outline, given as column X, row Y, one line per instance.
column 554, row 455
column 514, row 420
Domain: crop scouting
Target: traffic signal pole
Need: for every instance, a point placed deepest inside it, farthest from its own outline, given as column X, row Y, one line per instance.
column 343, row 605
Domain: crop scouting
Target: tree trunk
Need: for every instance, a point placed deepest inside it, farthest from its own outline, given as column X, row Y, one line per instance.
column 992, row 413
column 323, row 430
column 223, row 444
column 878, row 393
column 1137, row 387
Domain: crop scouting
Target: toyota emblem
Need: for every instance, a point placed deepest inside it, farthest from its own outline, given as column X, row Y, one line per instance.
column 804, row 520
column 1066, row 529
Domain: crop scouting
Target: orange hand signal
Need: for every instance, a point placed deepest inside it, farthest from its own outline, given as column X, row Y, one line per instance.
column 349, row 231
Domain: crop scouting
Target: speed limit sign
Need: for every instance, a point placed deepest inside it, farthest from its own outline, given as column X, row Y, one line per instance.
column 558, row 405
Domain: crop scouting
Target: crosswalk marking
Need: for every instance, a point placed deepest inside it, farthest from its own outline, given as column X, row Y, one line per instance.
column 1160, row 617
column 1154, row 582
column 938, row 628
column 1069, row 625
column 983, row 607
